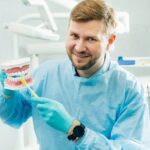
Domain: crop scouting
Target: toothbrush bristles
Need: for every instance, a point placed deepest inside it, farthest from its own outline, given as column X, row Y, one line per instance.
column 25, row 83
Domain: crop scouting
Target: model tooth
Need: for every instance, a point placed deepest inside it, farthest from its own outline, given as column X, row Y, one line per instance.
column 13, row 74
column 8, row 77
column 27, row 77
column 18, row 79
column 21, row 72
column 18, row 73
column 11, row 79
column 10, row 74
column 25, row 71
column 15, row 79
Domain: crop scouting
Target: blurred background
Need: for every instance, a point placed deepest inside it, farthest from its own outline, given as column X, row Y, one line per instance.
column 37, row 29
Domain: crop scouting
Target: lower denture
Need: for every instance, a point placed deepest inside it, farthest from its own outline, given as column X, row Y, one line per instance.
column 17, row 83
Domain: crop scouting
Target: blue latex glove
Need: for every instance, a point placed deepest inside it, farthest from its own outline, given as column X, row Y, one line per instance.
column 53, row 113
column 3, row 76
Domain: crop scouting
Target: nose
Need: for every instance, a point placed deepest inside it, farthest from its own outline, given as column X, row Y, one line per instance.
column 80, row 46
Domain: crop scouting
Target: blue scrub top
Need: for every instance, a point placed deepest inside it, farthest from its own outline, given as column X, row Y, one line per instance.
column 111, row 104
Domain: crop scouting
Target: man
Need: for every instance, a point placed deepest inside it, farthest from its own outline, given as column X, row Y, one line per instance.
column 86, row 102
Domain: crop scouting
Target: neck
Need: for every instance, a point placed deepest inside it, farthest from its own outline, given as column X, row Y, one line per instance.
column 89, row 72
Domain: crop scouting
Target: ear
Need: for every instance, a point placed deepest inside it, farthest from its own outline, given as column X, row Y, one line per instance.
column 111, row 40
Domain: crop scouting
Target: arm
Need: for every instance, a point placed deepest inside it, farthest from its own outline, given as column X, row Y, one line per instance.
column 127, row 132
column 129, row 129
column 14, row 110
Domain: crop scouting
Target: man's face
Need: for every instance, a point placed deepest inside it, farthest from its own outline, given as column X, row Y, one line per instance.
column 86, row 45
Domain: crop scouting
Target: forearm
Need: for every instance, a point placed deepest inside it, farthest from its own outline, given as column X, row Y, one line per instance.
column 93, row 140
column 13, row 110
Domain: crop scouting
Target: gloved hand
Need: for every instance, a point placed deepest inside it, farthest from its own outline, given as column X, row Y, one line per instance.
column 3, row 76
column 53, row 113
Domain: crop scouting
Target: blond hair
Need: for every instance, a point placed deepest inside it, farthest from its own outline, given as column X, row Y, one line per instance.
column 88, row 10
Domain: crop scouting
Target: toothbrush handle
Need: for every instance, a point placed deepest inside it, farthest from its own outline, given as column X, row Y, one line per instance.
column 32, row 92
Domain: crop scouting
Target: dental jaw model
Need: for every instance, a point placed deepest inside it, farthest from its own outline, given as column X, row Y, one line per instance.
column 17, row 70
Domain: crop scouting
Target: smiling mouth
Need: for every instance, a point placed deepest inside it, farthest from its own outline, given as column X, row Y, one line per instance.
column 80, row 55
column 16, row 70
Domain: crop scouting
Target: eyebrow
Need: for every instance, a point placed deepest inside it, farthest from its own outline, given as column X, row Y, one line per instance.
column 87, row 36
column 73, row 32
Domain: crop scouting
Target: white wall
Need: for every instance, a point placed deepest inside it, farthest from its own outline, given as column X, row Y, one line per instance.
column 136, row 42
column 8, row 137
column 10, row 11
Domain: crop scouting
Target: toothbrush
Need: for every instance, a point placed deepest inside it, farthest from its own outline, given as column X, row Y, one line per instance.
column 25, row 83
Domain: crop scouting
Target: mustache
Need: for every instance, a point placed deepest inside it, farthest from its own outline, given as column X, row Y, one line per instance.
column 81, row 54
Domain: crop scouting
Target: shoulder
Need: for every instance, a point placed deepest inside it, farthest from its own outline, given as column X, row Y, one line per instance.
column 48, row 71
column 119, row 71
column 127, row 79
column 50, row 67
column 130, row 87
column 133, row 88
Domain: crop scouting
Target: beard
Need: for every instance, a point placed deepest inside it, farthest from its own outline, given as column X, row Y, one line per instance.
column 86, row 66
column 83, row 64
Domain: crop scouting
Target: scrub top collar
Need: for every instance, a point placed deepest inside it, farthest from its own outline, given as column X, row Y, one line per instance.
column 101, row 70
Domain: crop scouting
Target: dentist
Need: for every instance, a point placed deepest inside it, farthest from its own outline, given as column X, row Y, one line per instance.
column 86, row 102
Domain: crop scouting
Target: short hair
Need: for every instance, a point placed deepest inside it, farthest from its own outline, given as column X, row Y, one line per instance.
column 88, row 10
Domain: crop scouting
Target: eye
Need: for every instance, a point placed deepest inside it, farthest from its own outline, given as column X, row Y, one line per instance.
column 91, row 39
column 74, row 36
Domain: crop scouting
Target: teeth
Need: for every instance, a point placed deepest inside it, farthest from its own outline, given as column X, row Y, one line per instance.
column 26, row 71
column 19, row 73
column 13, row 87
column 18, row 78
column 13, row 79
column 10, row 85
column 27, row 76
